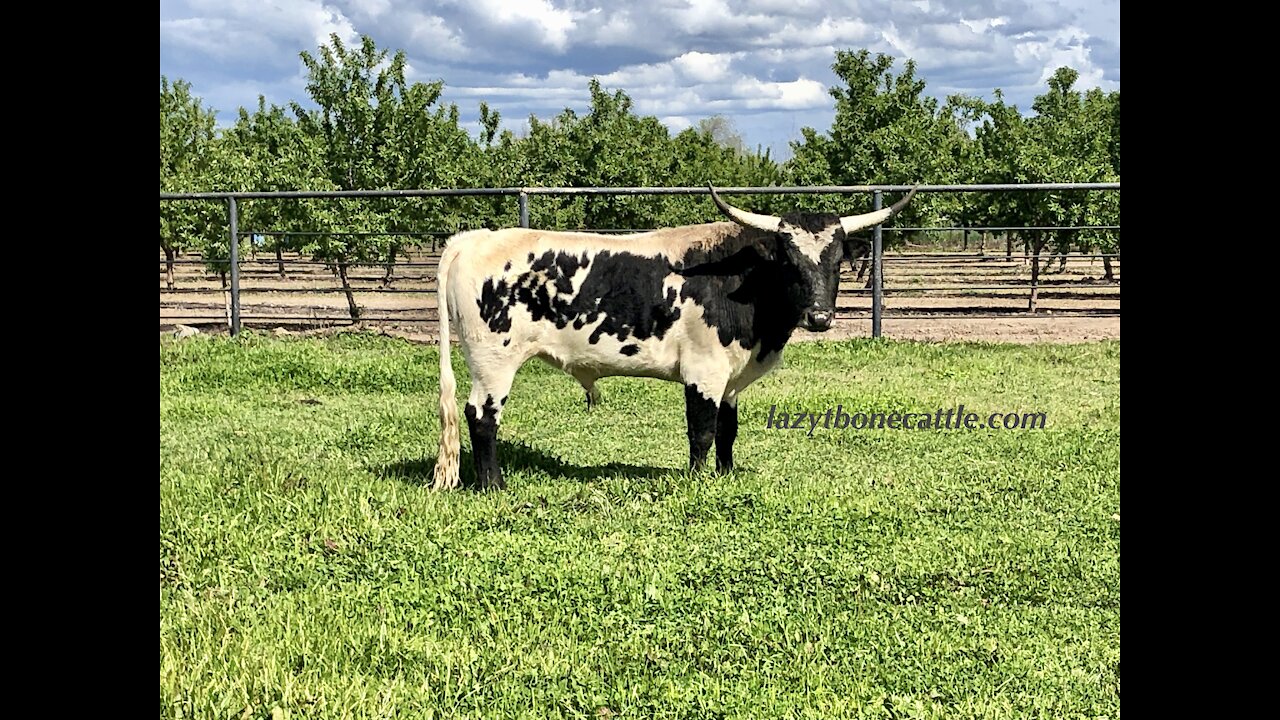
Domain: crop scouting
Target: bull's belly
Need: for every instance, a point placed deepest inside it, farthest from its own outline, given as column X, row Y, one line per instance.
column 673, row 360
column 607, row 359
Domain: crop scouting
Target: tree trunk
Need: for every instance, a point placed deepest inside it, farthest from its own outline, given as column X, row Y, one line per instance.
column 346, row 288
column 1035, row 275
column 982, row 243
column 222, row 275
column 966, row 240
column 1008, row 245
column 279, row 262
column 1108, row 272
column 168, row 268
column 390, row 275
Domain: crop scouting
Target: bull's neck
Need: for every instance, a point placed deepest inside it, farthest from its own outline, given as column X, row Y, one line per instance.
column 749, row 297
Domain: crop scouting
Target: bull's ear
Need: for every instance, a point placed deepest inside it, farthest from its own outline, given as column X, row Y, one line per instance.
column 770, row 246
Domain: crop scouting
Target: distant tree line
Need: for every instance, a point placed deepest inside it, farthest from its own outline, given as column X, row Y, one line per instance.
column 371, row 128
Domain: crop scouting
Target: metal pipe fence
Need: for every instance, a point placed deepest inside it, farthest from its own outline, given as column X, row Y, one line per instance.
column 231, row 265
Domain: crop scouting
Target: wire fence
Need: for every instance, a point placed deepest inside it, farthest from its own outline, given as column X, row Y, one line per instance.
column 983, row 278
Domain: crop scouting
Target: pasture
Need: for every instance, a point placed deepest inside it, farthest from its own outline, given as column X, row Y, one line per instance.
column 307, row 572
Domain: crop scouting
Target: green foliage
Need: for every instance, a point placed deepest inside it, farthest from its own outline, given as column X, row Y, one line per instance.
column 275, row 153
column 304, row 565
column 886, row 132
column 613, row 146
column 372, row 128
column 192, row 159
column 1072, row 137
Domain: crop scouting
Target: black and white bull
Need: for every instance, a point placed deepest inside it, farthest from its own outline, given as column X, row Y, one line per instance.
column 710, row 306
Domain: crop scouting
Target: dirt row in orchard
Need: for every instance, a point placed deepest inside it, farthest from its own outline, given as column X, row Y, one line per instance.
column 963, row 298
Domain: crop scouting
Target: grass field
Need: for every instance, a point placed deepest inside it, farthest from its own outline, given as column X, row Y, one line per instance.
column 307, row 572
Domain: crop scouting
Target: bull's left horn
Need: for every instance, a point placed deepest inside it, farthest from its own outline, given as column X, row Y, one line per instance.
column 768, row 223
column 854, row 223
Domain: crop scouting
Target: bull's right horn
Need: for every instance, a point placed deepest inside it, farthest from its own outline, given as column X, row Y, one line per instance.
column 854, row 223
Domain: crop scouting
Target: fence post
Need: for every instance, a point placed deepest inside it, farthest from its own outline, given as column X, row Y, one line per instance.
column 524, row 209
column 877, row 267
column 235, row 265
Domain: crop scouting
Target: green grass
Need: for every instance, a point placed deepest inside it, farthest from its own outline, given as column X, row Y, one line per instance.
column 306, row 569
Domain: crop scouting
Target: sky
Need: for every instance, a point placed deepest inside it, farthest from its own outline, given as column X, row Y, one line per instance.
column 763, row 64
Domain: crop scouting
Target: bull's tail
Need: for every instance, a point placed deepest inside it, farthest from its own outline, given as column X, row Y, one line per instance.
column 446, row 475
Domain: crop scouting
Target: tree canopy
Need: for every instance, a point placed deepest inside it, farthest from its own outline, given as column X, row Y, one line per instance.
column 366, row 126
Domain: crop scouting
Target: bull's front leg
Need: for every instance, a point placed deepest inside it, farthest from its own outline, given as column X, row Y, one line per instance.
column 726, row 433
column 700, row 410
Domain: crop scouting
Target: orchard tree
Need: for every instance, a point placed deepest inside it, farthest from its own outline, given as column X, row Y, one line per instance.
column 544, row 157
column 1075, row 132
column 277, row 155
column 497, row 165
column 189, row 162
column 375, row 130
column 428, row 148
column 355, row 95
column 609, row 146
column 1070, row 138
column 886, row 131
column 713, row 152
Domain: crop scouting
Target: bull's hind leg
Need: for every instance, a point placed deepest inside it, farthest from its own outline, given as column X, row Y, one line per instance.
column 701, row 406
column 588, row 383
column 490, row 385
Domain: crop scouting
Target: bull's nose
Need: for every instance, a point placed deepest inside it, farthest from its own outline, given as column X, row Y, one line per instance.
column 819, row 320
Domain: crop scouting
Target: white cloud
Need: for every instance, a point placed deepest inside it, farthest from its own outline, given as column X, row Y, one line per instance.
column 702, row 15
column 703, row 67
column 676, row 123
column 369, row 8
column 1065, row 47
column 829, row 31
column 765, row 64
column 430, row 36
column 552, row 24
column 795, row 95
column 243, row 27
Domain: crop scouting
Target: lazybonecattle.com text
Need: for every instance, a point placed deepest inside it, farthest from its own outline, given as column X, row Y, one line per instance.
column 956, row 418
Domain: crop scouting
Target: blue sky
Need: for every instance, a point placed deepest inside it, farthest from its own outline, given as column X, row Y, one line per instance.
column 765, row 64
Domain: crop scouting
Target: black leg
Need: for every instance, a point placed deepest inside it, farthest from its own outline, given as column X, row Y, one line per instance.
column 726, row 433
column 700, row 412
column 483, row 424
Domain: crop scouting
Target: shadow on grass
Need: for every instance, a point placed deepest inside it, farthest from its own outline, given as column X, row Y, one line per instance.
column 515, row 457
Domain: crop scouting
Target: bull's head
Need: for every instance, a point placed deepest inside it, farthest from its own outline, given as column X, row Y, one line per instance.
column 812, row 244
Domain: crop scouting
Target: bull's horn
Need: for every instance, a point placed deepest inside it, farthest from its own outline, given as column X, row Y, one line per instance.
column 742, row 217
column 854, row 223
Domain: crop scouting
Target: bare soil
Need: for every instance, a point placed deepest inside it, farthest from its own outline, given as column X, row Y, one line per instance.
column 928, row 296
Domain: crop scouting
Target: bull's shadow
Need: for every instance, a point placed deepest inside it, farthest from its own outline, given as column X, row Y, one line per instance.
column 513, row 457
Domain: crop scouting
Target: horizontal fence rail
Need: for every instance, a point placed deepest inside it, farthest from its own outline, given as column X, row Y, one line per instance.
column 908, row 273
column 691, row 190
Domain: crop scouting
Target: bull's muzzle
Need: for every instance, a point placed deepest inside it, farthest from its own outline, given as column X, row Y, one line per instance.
column 818, row 320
